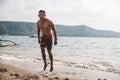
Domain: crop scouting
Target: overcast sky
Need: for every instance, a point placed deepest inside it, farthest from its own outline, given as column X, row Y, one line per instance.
column 99, row 14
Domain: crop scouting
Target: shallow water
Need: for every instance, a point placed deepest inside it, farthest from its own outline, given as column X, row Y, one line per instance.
column 78, row 52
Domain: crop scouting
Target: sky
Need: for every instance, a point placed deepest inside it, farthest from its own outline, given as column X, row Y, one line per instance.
column 98, row 14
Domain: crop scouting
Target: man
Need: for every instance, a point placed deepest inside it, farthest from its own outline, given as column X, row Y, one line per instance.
column 44, row 28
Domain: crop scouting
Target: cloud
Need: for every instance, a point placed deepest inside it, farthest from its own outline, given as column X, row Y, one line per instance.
column 102, row 14
column 2, row 2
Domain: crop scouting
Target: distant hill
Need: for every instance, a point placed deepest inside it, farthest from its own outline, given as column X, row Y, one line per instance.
column 29, row 28
column 84, row 31
column 17, row 28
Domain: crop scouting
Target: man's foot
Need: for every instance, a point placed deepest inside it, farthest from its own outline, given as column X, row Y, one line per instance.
column 51, row 69
column 45, row 67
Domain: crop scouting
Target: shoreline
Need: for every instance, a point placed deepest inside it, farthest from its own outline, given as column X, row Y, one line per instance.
column 89, row 60
column 60, row 72
column 13, row 68
column 10, row 72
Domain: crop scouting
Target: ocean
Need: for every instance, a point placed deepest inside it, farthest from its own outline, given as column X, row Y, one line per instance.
column 78, row 52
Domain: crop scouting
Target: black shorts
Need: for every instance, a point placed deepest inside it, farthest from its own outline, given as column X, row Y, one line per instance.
column 46, row 42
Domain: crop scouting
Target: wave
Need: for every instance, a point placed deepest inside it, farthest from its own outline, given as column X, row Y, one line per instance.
column 102, row 66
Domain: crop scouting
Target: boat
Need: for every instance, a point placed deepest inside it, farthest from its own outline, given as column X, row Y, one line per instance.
column 4, row 43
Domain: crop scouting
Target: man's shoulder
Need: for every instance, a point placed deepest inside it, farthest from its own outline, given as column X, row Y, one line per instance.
column 38, row 21
column 48, row 20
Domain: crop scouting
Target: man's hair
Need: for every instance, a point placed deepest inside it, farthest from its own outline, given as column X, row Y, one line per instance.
column 42, row 11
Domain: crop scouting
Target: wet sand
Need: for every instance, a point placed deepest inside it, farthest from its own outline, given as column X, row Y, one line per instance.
column 10, row 72
column 28, row 70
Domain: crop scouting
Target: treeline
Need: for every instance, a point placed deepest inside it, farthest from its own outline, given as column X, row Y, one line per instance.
column 29, row 29
column 17, row 28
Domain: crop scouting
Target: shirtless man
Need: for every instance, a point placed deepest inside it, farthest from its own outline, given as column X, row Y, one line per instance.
column 45, row 38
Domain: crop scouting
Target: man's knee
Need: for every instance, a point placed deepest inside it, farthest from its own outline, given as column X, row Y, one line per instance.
column 49, row 51
column 42, row 49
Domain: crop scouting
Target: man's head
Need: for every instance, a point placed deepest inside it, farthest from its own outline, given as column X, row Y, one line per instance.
column 42, row 14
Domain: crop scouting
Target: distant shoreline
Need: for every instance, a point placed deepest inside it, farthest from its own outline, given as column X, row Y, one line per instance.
column 60, row 36
column 29, row 29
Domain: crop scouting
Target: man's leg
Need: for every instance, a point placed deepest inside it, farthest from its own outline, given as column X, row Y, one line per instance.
column 44, row 57
column 51, row 59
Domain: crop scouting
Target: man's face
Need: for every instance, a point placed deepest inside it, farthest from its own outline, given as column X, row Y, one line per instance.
column 41, row 15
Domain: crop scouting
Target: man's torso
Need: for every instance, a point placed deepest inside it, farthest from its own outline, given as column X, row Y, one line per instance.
column 44, row 26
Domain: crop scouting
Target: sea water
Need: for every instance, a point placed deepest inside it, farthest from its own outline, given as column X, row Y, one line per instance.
column 79, row 52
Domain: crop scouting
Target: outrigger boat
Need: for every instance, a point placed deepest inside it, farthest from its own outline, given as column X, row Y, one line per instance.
column 4, row 43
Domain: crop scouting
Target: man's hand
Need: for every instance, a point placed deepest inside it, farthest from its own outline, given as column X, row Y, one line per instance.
column 55, row 42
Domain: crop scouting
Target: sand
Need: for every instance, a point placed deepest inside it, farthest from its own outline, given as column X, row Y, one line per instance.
column 27, row 70
column 10, row 72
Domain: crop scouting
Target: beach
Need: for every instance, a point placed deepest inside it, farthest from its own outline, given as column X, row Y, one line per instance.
column 89, row 59
column 19, row 70
column 9, row 72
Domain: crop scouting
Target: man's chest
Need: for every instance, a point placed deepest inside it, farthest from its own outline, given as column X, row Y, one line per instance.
column 44, row 25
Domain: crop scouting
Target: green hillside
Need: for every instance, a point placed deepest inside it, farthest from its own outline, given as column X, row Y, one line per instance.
column 29, row 28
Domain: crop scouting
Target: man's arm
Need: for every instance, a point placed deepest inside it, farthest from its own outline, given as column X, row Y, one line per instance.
column 38, row 32
column 54, row 32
